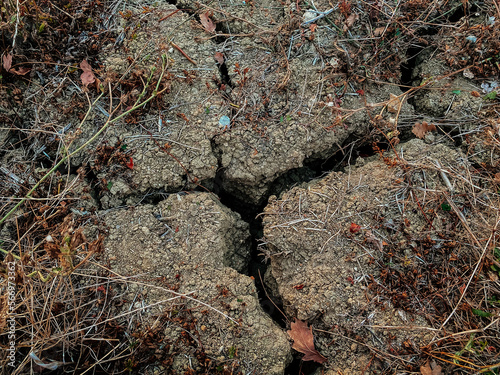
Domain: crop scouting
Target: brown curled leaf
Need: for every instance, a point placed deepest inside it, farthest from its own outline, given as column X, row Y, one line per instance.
column 303, row 341
column 207, row 22
column 219, row 57
column 7, row 61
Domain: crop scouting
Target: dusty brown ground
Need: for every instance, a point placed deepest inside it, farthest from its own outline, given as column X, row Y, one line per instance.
column 154, row 154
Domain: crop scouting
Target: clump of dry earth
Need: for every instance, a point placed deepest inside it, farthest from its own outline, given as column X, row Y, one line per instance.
column 286, row 111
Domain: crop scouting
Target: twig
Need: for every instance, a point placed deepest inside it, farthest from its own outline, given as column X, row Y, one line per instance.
column 231, row 15
column 17, row 25
column 168, row 15
column 321, row 15
column 497, row 8
column 183, row 53
column 465, row 332
column 444, row 176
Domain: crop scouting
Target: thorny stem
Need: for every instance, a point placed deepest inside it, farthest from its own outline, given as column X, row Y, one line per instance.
column 110, row 121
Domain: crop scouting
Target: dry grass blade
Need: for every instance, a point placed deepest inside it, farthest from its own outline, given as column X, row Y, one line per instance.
column 301, row 82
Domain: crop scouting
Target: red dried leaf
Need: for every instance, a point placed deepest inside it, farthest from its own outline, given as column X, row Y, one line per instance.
column 421, row 129
column 354, row 228
column 207, row 22
column 303, row 341
column 130, row 164
column 7, row 61
column 475, row 94
column 87, row 76
column 219, row 57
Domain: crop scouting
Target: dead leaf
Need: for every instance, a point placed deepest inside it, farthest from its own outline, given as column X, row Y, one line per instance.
column 421, row 129
column 370, row 238
column 351, row 19
column 354, row 228
column 85, row 66
column 7, row 61
column 207, row 22
column 394, row 104
column 219, row 57
column 378, row 31
column 427, row 370
column 303, row 341
column 87, row 76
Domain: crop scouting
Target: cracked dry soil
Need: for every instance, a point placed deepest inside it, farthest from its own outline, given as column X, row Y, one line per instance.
column 313, row 204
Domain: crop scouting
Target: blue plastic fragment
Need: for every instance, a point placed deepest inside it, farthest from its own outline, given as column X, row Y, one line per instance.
column 471, row 38
column 225, row 122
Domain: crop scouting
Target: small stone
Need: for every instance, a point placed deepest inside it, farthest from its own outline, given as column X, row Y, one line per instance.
column 308, row 16
column 335, row 62
column 225, row 122
column 471, row 38
column 468, row 74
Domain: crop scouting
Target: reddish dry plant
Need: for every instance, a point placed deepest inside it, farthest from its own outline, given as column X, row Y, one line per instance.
column 345, row 8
